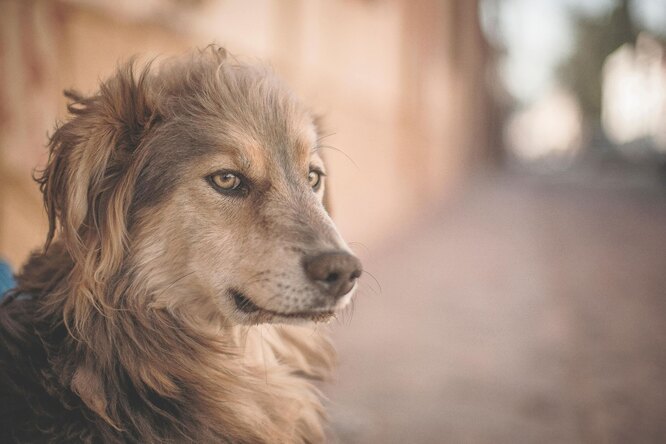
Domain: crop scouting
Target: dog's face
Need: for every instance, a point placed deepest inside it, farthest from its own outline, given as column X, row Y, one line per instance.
column 243, row 221
column 258, row 234
column 250, row 220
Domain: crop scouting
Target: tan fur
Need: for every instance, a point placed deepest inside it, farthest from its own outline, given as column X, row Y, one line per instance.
column 142, row 252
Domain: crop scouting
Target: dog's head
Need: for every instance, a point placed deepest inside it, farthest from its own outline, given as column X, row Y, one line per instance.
column 202, row 185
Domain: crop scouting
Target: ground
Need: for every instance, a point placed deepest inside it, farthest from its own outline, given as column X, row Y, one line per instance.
column 527, row 310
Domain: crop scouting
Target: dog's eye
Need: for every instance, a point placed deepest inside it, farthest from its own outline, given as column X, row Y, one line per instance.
column 315, row 179
column 226, row 182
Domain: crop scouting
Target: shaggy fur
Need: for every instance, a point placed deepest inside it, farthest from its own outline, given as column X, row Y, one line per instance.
column 129, row 333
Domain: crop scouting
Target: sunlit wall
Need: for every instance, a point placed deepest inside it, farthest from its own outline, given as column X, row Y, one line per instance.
column 401, row 83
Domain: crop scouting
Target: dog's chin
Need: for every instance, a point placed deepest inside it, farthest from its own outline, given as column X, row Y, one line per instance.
column 247, row 312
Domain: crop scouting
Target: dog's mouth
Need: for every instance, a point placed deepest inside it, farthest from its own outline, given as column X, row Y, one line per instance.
column 246, row 306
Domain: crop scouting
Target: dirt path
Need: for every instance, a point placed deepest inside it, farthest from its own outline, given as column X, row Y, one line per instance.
column 529, row 311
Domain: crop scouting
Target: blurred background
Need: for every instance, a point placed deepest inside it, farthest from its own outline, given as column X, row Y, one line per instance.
column 499, row 165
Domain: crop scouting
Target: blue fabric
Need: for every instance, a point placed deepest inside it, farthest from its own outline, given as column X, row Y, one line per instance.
column 7, row 281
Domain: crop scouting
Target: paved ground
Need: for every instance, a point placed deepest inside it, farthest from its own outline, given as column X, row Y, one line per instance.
column 529, row 311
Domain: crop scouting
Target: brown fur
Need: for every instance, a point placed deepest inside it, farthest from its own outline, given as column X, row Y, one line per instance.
column 128, row 335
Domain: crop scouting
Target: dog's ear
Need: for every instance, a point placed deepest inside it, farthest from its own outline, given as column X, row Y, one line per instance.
column 94, row 160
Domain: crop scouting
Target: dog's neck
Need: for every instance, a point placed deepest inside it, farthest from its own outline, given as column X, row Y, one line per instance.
column 156, row 376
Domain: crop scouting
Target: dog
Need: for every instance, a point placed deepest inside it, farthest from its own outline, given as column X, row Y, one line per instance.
column 189, row 253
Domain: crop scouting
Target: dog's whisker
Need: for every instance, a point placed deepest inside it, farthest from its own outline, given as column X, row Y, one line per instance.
column 273, row 297
column 363, row 285
column 258, row 280
column 365, row 247
column 332, row 148
column 347, row 313
column 366, row 272
column 244, row 333
column 352, row 307
column 244, row 304
column 324, row 136
column 256, row 277
column 263, row 353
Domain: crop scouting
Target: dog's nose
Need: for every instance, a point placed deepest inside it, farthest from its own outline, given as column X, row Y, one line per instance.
column 336, row 272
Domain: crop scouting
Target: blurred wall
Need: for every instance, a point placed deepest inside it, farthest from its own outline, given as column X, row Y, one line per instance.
column 401, row 84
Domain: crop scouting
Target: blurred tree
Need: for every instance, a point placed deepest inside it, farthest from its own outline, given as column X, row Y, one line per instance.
column 596, row 38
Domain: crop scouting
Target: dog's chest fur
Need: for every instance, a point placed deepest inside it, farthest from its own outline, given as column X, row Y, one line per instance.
column 257, row 390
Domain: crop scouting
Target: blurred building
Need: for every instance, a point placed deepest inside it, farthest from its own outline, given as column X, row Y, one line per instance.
column 402, row 84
